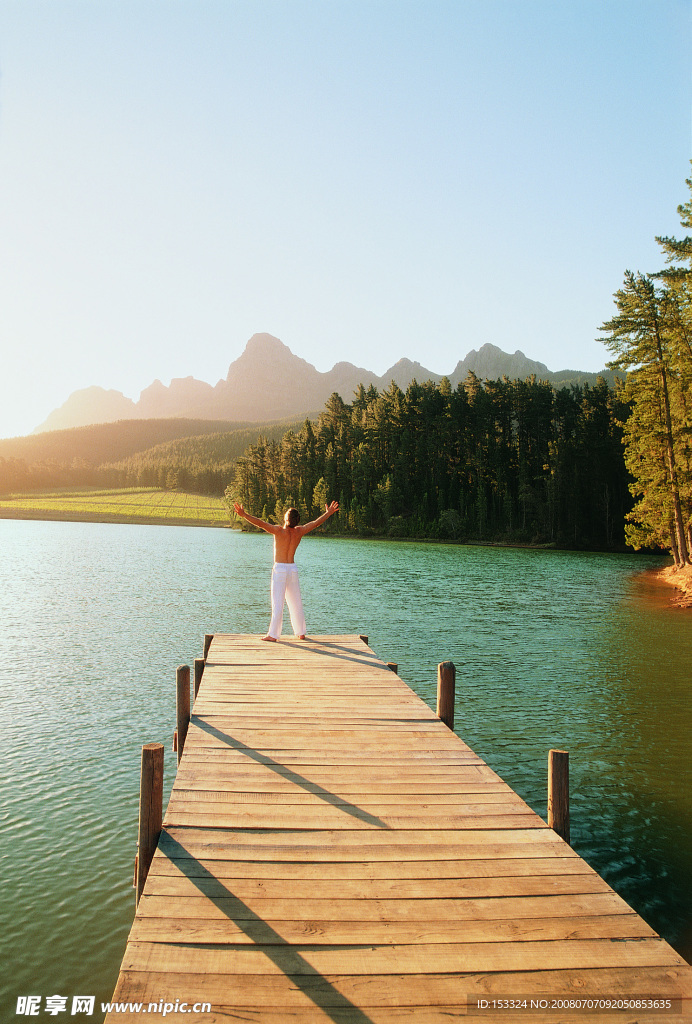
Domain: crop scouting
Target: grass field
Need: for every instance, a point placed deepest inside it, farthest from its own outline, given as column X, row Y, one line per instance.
column 130, row 505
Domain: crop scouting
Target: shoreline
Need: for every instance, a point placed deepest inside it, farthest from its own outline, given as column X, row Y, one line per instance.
column 75, row 517
column 680, row 578
column 45, row 515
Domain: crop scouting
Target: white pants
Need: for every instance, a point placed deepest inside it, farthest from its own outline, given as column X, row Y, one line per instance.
column 285, row 586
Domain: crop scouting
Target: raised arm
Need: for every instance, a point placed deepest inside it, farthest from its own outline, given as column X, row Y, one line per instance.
column 267, row 527
column 330, row 510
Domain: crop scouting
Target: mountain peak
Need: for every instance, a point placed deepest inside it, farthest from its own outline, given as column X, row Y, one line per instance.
column 266, row 356
column 269, row 382
column 263, row 343
column 90, row 405
column 405, row 370
column 490, row 362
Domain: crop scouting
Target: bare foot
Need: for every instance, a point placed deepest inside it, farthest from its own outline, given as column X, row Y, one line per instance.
column 272, row 639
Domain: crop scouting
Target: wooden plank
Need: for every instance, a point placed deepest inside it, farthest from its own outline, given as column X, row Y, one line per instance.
column 195, row 765
column 224, row 761
column 400, row 744
column 421, row 958
column 320, row 852
column 483, row 802
column 338, row 818
column 297, row 803
column 490, row 868
column 572, row 906
column 182, row 887
column 375, row 845
column 268, row 783
column 238, row 699
column 177, row 840
column 295, row 737
column 348, row 716
column 327, row 932
column 355, row 758
column 396, row 990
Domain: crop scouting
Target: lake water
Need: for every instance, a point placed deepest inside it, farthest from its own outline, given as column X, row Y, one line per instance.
column 553, row 649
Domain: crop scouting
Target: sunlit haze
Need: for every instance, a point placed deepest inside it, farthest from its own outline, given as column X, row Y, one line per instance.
column 364, row 180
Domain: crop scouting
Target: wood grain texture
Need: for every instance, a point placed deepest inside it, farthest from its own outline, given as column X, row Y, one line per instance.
column 332, row 852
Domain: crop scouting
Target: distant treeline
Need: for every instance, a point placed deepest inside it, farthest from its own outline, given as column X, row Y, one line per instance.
column 507, row 460
column 183, row 454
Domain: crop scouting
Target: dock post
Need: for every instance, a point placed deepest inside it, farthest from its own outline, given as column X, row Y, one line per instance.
column 446, row 683
column 150, row 811
column 558, row 792
column 182, row 706
column 364, row 639
column 208, row 637
column 393, row 667
column 199, row 670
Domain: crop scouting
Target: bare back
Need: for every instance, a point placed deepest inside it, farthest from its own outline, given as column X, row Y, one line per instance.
column 286, row 540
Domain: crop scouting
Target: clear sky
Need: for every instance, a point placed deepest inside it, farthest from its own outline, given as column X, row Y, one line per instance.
column 364, row 179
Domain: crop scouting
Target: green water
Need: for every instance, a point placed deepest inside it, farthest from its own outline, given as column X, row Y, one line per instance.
column 552, row 649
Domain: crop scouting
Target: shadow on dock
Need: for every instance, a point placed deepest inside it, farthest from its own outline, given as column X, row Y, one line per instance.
column 287, row 773
column 282, row 954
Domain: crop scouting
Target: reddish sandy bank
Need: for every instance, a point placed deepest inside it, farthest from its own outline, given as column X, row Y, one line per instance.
column 681, row 578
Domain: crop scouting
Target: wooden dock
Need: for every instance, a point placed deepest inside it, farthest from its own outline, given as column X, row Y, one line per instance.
column 332, row 852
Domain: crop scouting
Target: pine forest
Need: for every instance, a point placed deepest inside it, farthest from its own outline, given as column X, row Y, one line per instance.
column 513, row 461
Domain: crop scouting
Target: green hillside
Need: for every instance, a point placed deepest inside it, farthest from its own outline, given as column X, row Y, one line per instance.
column 107, row 442
column 200, row 452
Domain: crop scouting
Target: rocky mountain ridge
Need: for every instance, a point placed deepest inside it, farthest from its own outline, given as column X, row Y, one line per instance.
column 269, row 382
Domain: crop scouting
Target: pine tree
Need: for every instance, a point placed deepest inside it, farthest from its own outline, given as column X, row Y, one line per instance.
column 678, row 279
column 640, row 339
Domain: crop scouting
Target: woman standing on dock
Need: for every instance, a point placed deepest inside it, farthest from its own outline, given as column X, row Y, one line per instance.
column 284, row 584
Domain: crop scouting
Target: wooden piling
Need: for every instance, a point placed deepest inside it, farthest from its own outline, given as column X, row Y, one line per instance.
column 364, row 639
column 208, row 637
column 182, row 705
column 558, row 792
column 199, row 670
column 446, row 683
column 150, row 811
column 393, row 667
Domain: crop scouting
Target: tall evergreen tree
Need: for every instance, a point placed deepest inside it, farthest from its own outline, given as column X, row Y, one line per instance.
column 639, row 337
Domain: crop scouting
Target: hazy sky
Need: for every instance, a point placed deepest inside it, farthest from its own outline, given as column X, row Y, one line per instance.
column 364, row 179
